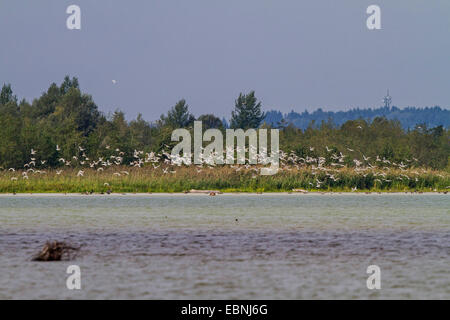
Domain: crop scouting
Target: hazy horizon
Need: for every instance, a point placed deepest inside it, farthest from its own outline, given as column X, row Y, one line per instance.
column 296, row 55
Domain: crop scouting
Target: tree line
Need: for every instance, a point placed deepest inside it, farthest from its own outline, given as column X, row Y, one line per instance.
column 408, row 117
column 64, row 122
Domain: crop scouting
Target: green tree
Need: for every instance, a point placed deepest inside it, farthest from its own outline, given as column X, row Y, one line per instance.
column 210, row 121
column 140, row 132
column 178, row 116
column 82, row 109
column 247, row 112
column 46, row 104
column 6, row 95
column 68, row 83
column 11, row 149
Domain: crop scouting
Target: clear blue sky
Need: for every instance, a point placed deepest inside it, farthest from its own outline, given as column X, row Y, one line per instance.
column 295, row 54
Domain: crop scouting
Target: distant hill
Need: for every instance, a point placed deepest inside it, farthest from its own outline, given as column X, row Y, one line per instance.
column 408, row 117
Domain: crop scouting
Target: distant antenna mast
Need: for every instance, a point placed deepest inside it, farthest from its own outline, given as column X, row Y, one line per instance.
column 387, row 100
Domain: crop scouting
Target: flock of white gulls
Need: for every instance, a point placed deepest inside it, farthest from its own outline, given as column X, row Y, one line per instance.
column 168, row 163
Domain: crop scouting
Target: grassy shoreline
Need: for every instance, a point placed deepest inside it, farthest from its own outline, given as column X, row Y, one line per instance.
column 183, row 194
column 224, row 179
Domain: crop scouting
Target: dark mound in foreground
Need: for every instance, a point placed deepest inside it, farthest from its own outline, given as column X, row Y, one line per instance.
column 56, row 251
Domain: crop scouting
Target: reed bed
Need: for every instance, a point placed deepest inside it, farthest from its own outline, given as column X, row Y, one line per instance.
column 171, row 179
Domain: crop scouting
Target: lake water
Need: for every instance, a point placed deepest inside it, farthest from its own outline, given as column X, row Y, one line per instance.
column 285, row 246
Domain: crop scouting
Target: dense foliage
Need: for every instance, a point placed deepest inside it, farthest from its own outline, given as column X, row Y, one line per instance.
column 65, row 123
column 247, row 112
column 166, row 178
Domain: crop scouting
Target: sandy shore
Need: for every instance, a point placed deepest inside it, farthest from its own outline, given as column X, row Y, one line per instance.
column 205, row 194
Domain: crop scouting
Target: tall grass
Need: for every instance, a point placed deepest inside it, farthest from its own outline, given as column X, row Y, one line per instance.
column 225, row 178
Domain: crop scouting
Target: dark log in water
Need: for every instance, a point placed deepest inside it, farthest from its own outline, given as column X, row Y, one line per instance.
column 56, row 251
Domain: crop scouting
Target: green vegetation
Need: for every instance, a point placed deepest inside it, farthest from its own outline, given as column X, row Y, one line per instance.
column 61, row 142
column 247, row 112
column 226, row 179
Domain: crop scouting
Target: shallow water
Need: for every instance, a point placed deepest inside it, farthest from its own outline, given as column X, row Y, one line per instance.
column 228, row 246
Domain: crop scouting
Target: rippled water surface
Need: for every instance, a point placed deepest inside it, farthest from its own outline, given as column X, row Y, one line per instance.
column 228, row 246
